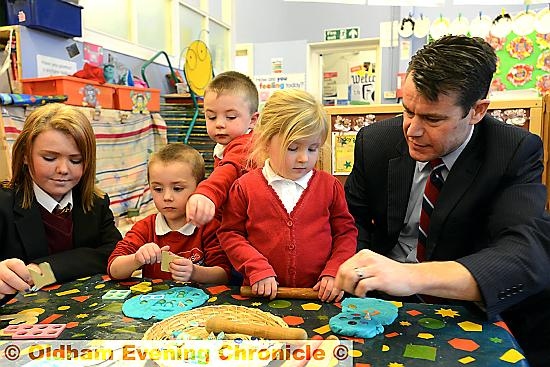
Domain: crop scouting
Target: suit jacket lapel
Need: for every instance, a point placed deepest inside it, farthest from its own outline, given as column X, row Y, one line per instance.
column 458, row 181
column 400, row 175
column 31, row 231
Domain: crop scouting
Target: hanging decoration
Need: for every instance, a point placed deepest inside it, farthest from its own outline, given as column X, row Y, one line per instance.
column 524, row 23
column 421, row 26
column 543, row 83
column 497, row 85
column 520, row 74
column 542, row 22
column 543, row 61
column 496, row 42
column 520, row 47
column 543, row 40
column 480, row 26
column 198, row 67
column 407, row 27
column 439, row 27
column 502, row 25
column 459, row 26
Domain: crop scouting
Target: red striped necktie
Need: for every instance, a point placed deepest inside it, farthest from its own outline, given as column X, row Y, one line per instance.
column 431, row 193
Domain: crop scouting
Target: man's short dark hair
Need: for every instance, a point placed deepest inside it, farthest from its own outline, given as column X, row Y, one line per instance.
column 454, row 64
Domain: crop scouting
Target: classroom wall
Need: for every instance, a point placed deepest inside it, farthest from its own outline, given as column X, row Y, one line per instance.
column 34, row 42
column 273, row 26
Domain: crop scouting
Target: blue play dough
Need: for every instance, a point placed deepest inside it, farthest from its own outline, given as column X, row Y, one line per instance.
column 352, row 321
column 165, row 303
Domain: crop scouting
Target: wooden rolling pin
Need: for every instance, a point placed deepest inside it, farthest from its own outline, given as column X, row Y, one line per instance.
column 284, row 292
column 218, row 324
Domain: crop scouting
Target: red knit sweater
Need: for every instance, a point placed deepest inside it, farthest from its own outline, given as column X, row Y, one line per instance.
column 202, row 247
column 261, row 239
column 226, row 171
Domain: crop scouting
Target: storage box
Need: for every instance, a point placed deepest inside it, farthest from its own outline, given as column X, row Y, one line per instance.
column 53, row 16
column 137, row 100
column 81, row 92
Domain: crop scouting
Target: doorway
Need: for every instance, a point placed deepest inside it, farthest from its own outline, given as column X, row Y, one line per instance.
column 345, row 72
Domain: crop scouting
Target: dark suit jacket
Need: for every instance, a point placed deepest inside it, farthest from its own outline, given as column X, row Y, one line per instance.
column 489, row 216
column 22, row 236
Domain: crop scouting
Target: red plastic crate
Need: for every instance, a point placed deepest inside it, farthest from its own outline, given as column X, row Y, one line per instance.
column 137, row 100
column 81, row 92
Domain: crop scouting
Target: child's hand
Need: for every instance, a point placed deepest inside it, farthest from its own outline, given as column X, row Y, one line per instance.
column 266, row 287
column 200, row 210
column 181, row 269
column 14, row 276
column 150, row 253
column 327, row 291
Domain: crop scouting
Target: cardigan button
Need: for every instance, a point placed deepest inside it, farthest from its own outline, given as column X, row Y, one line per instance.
column 291, row 246
column 289, row 223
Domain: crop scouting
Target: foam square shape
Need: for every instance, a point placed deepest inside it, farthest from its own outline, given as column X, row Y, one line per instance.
column 36, row 331
column 116, row 294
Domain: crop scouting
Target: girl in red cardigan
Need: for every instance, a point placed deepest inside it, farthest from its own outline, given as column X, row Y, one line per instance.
column 287, row 224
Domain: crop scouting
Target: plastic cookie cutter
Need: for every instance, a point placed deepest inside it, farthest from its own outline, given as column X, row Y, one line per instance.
column 116, row 294
column 44, row 279
column 37, row 331
column 149, row 297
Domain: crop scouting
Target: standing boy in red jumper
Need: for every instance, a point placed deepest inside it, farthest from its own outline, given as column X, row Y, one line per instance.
column 231, row 111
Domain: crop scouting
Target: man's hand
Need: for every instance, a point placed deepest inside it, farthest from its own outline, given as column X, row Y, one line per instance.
column 367, row 271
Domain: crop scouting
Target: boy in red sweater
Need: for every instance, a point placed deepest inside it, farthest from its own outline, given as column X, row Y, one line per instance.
column 231, row 111
column 174, row 172
column 287, row 223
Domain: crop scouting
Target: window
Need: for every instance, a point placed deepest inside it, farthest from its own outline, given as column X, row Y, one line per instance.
column 140, row 28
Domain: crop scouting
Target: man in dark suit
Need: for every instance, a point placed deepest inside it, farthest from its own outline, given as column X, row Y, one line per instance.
column 484, row 233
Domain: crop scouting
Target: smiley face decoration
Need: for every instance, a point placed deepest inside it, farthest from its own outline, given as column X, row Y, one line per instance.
column 198, row 67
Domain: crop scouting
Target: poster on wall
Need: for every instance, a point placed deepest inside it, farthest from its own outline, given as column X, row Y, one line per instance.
column 277, row 65
column 52, row 66
column 523, row 61
column 267, row 84
column 93, row 54
column 362, row 83
column 343, row 144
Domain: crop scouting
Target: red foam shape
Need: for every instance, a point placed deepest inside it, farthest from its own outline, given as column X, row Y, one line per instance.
column 51, row 318
column 463, row 344
column 51, row 287
column 392, row 335
column 293, row 320
column 218, row 289
column 503, row 325
column 414, row 312
column 81, row 298
column 239, row 297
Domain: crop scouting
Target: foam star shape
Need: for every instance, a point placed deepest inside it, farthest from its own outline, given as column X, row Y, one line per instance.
column 447, row 312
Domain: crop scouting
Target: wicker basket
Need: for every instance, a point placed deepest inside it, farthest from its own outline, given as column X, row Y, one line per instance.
column 192, row 322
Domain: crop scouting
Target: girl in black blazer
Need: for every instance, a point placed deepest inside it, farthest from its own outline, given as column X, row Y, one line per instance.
column 51, row 210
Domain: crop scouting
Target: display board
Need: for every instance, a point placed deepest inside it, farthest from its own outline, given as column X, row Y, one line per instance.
column 530, row 114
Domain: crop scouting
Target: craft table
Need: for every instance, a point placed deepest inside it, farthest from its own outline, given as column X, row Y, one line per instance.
column 422, row 335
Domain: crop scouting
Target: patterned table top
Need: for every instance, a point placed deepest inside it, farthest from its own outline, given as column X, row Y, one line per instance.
column 422, row 334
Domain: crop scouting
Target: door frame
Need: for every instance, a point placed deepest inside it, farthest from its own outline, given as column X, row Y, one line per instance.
column 314, row 71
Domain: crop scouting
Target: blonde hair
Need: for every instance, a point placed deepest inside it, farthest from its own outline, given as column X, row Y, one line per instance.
column 293, row 114
column 182, row 153
column 235, row 83
column 69, row 120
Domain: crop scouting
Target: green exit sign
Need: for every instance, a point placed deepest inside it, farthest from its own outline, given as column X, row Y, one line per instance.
column 341, row 34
